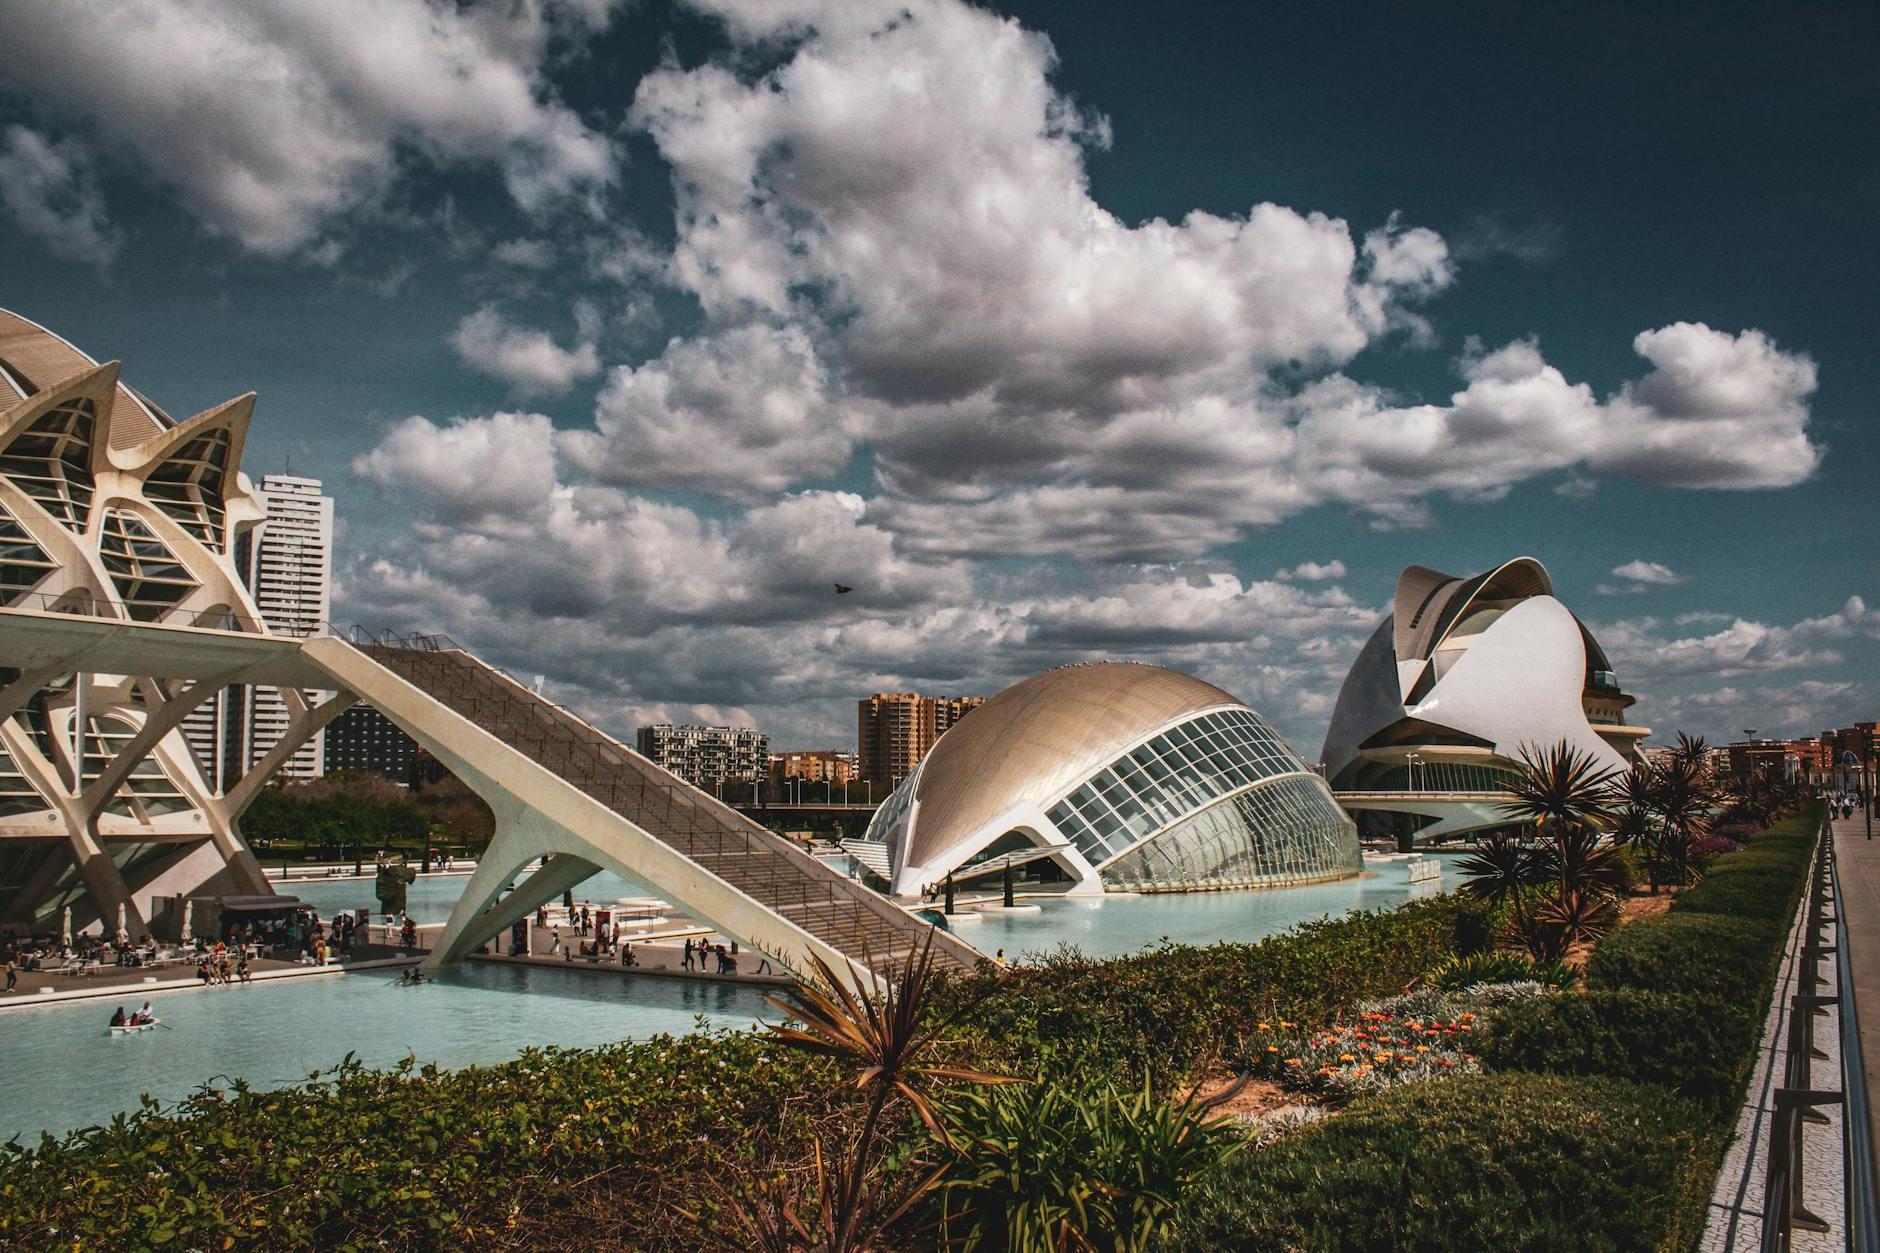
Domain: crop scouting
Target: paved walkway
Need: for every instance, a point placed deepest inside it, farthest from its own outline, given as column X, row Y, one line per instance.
column 1860, row 892
column 1736, row 1205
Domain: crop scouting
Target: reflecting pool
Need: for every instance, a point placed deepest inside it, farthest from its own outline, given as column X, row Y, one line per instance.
column 64, row 1069
column 1102, row 927
column 1111, row 925
column 430, row 897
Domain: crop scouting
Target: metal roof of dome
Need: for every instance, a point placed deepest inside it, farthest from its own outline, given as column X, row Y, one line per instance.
column 33, row 358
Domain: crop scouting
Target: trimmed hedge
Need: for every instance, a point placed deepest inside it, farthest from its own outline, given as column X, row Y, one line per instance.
column 1710, row 955
column 1698, row 1047
column 1510, row 1161
column 1159, row 1012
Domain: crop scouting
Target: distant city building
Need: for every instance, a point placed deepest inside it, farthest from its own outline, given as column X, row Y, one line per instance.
column 707, row 757
column 824, row 765
column 364, row 741
column 894, row 730
column 286, row 563
column 1783, row 759
column 1461, row 678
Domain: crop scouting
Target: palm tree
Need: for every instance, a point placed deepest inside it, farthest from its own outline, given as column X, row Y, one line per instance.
column 1635, row 822
column 1564, row 794
column 1683, row 800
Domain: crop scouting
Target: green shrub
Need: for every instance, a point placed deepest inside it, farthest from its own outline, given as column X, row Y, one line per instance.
column 1699, row 1048
column 1708, row 955
column 1160, row 1011
column 1073, row 1164
column 1512, row 1161
column 1459, row 973
column 1771, row 895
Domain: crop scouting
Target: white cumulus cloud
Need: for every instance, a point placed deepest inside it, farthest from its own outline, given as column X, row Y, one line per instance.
column 271, row 118
column 527, row 359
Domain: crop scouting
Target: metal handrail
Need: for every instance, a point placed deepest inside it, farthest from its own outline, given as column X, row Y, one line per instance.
column 707, row 831
column 1863, row 1205
column 1797, row 1099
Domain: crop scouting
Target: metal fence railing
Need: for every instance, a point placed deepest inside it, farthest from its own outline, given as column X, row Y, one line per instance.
column 1798, row 1102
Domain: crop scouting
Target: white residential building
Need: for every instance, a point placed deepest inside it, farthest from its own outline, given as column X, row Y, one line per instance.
column 286, row 563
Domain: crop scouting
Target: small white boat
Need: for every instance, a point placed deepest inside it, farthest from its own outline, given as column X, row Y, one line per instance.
column 152, row 1025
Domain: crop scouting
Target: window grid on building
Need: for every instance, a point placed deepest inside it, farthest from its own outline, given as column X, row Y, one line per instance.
column 51, row 462
column 1287, row 830
column 23, row 563
column 1159, row 782
column 188, row 487
column 147, row 574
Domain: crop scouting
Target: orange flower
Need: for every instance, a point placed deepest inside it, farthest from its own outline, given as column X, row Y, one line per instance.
column 1293, row 1061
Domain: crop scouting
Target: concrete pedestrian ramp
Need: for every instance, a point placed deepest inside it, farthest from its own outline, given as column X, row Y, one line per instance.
column 568, row 799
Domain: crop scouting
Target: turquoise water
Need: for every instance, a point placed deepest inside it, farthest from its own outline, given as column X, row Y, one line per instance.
column 63, row 1069
column 1111, row 925
column 431, row 897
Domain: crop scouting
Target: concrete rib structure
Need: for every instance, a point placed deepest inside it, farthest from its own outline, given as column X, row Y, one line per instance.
column 1460, row 678
column 109, row 507
column 120, row 612
column 1126, row 776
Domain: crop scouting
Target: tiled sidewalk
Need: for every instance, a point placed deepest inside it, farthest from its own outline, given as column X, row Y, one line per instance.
column 1737, row 1205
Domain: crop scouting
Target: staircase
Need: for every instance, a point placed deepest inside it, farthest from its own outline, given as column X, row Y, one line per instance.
column 764, row 866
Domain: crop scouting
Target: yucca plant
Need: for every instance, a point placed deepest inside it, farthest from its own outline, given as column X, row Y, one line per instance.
column 1062, row 1165
column 887, row 1032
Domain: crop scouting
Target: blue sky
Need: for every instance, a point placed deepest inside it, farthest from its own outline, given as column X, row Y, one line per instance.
column 1058, row 331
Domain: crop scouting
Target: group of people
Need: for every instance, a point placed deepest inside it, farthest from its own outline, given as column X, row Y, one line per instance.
column 137, row 1019
column 1847, row 804
column 220, row 966
column 703, row 954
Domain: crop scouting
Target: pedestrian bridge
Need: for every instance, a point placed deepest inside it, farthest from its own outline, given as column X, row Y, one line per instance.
column 564, row 794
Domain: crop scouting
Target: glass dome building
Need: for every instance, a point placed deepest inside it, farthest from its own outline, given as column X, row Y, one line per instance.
column 1128, row 777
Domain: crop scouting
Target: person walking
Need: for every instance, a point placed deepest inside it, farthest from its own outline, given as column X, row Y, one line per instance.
column 687, row 963
column 13, row 976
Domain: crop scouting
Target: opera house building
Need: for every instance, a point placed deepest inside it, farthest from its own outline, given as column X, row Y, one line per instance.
column 1122, row 776
column 1459, row 678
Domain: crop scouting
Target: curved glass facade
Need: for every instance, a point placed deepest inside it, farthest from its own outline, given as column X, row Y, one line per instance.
column 1437, row 776
column 1286, row 831
column 1184, row 769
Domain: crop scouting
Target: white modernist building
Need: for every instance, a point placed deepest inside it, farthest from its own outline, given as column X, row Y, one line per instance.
column 110, row 508
column 1127, row 777
column 1460, row 678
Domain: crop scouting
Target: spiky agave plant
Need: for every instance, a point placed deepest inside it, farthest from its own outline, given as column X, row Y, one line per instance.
column 1565, row 795
column 1560, row 786
column 1500, row 871
column 886, row 1031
